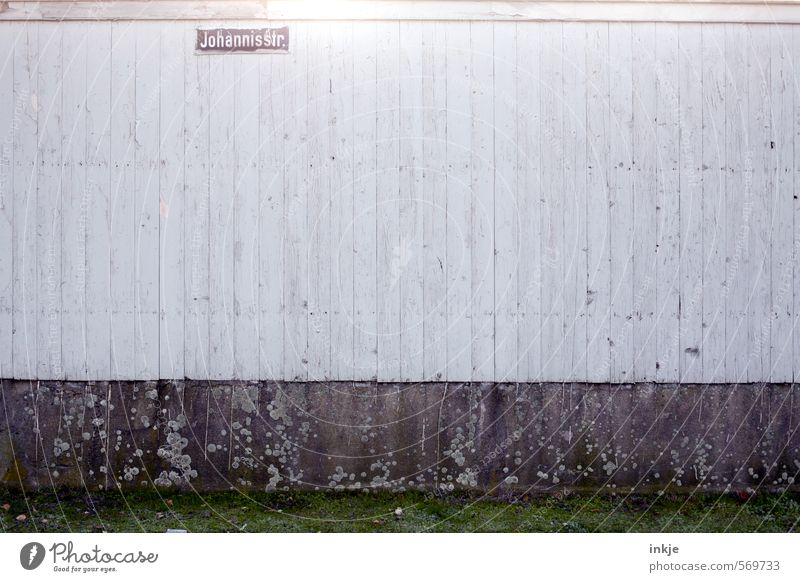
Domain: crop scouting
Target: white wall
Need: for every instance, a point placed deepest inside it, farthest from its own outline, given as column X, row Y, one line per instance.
column 401, row 201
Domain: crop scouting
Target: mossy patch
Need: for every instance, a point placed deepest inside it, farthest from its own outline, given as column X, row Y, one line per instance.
column 154, row 511
column 14, row 473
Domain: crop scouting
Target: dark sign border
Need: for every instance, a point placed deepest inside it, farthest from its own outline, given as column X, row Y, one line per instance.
column 246, row 41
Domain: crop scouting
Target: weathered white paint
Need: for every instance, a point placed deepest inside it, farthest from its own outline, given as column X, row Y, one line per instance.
column 645, row 215
column 713, row 177
column 400, row 201
column 365, row 164
column 7, row 170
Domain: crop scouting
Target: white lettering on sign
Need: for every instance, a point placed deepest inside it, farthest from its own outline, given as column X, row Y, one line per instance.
column 242, row 40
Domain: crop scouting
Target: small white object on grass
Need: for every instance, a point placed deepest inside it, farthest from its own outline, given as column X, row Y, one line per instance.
column 398, row 513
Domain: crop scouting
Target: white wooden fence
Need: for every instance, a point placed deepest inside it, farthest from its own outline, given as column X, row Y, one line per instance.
column 406, row 201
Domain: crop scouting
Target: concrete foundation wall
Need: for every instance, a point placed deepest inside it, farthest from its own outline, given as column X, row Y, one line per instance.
column 490, row 437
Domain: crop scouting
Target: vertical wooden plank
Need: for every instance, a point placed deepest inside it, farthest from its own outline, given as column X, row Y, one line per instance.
column 459, row 353
column 246, row 142
column 340, row 148
column 410, row 203
column 122, row 204
column 26, row 161
column 482, row 202
column 97, row 211
column 392, row 257
column 434, row 205
column 645, row 216
column 598, row 296
column 690, row 95
column 737, row 205
column 714, row 204
column 296, row 281
column 529, row 276
column 272, row 220
column 782, row 95
column 365, row 243
column 75, row 201
column 222, row 182
column 575, row 201
column 742, row 216
column 506, row 222
column 49, row 204
column 795, row 58
column 668, row 224
column 551, row 64
column 621, row 204
column 8, row 121
column 147, row 201
column 761, row 227
column 196, row 167
column 171, row 214
column 319, row 202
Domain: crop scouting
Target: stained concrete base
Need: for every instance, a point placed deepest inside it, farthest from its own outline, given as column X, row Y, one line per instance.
column 344, row 436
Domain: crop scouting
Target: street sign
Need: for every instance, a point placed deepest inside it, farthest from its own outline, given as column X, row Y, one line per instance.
column 242, row 40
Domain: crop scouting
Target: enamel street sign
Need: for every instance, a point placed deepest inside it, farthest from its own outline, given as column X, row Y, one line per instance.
column 242, row 40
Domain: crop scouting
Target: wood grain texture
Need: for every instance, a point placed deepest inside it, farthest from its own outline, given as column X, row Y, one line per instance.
column 529, row 269
column 340, row 144
column 365, row 203
column 147, row 202
column 75, row 204
column 781, row 174
column 196, row 166
column 645, row 204
column 738, row 206
column 714, row 170
column 621, row 202
column 434, row 203
column 272, row 216
column 96, row 204
column 459, row 248
column 171, row 204
column 552, row 196
column 49, row 203
column 482, row 197
column 690, row 96
column 7, row 103
column 245, row 219
column 759, row 158
column 295, row 193
column 318, row 222
column 121, row 202
column 415, row 201
column 668, row 203
column 26, row 159
column 412, row 316
column 393, row 256
column 598, row 286
column 795, row 48
column 506, row 195
column 575, row 211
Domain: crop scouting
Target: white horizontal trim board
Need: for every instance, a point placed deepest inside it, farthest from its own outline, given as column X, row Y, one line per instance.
column 413, row 201
column 732, row 11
